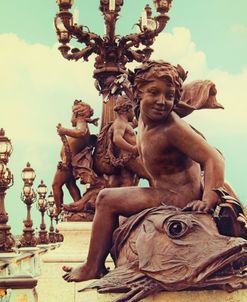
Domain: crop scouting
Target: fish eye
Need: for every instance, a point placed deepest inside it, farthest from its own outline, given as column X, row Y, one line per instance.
column 176, row 228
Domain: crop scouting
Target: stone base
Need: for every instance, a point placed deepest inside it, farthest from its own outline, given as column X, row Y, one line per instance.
column 76, row 217
column 184, row 296
column 74, row 248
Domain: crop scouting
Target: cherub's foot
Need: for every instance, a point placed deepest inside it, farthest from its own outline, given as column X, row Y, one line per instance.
column 82, row 273
column 68, row 207
column 74, row 206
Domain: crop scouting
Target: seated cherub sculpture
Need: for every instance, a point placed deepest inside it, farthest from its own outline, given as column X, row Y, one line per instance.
column 173, row 153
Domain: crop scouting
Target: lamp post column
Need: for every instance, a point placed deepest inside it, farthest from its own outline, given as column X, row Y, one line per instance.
column 28, row 196
column 7, row 241
column 51, row 211
column 42, row 207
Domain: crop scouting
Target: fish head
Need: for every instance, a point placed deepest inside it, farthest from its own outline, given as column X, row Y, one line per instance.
column 185, row 250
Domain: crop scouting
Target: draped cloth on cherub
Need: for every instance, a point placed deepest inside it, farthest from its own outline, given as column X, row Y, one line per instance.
column 82, row 166
column 197, row 95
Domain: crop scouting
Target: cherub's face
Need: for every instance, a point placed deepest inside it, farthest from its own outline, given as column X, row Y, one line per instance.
column 86, row 112
column 157, row 100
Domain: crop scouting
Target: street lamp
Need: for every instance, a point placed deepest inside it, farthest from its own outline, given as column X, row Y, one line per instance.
column 6, row 181
column 42, row 207
column 5, row 147
column 51, row 211
column 112, row 51
column 50, row 200
column 28, row 175
column 28, row 196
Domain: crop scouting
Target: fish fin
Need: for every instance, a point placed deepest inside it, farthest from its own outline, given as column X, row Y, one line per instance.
column 118, row 279
column 146, row 287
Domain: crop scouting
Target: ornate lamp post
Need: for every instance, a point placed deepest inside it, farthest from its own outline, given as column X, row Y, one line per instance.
column 59, row 236
column 51, row 211
column 28, row 196
column 6, row 181
column 42, row 207
column 113, row 52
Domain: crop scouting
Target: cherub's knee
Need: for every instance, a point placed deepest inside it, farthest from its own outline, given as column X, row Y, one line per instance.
column 103, row 199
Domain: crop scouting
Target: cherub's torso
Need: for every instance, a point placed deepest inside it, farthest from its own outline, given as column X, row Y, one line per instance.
column 171, row 169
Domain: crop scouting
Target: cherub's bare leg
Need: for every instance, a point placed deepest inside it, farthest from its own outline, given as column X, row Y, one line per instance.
column 60, row 178
column 110, row 203
column 73, row 189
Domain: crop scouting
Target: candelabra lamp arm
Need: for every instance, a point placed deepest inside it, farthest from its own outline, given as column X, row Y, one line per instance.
column 85, row 36
column 64, row 49
column 75, row 53
column 161, row 22
column 129, row 40
column 96, row 38
column 84, row 53
column 137, row 56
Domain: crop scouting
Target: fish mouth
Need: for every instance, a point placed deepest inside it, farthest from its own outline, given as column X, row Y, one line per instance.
column 230, row 267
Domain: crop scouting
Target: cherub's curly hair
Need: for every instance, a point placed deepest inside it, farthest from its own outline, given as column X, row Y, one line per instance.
column 123, row 104
column 79, row 108
column 154, row 70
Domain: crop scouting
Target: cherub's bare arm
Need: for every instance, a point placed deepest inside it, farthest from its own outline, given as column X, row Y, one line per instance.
column 80, row 130
column 194, row 146
column 119, row 129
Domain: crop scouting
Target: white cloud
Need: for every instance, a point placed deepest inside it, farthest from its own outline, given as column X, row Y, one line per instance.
column 38, row 87
column 178, row 48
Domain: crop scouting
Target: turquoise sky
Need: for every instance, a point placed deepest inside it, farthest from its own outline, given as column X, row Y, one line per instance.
column 218, row 29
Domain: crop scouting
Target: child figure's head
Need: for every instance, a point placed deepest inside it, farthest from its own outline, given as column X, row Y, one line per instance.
column 158, row 71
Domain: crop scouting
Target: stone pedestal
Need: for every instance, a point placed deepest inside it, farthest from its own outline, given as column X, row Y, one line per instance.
column 74, row 248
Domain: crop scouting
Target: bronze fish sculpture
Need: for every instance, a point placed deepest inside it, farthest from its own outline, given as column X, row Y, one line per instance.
column 167, row 249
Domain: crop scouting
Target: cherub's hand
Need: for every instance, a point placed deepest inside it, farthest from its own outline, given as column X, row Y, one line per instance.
column 60, row 130
column 198, row 205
